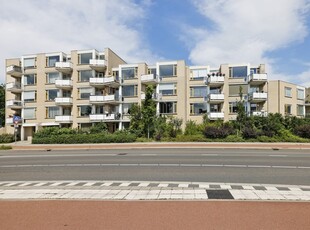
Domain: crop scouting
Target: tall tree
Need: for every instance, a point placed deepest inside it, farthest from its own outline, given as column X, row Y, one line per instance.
column 2, row 104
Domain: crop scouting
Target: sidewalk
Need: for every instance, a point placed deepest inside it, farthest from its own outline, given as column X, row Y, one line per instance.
column 26, row 145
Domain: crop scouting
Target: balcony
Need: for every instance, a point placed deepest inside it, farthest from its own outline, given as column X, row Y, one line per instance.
column 102, row 117
column 215, row 81
column 216, row 115
column 63, row 100
column 149, row 79
column 14, row 87
column 14, row 104
column 64, row 67
column 258, row 78
column 9, row 121
column 259, row 113
column 63, row 84
column 108, row 99
column 14, row 70
column 98, row 65
column 63, row 119
column 215, row 98
column 155, row 96
column 257, row 97
column 104, row 81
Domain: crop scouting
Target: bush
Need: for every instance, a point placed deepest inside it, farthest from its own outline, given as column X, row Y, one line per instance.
column 249, row 132
column 303, row 131
column 233, row 138
column 6, row 138
column 5, row 147
column 218, row 132
column 192, row 128
column 192, row 138
column 54, row 131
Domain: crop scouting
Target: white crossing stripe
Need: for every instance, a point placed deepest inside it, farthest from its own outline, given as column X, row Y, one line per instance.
column 40, row 184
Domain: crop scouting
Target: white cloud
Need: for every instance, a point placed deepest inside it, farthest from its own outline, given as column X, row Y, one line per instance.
column 36, row 26
column 245, row 30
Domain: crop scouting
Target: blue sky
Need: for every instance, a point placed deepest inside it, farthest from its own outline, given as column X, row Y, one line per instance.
column 202, row 32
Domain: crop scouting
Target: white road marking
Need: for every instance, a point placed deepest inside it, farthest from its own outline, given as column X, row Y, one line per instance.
column 277, row 155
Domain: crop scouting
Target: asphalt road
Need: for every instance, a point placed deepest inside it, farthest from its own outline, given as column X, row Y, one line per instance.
column 291, row 167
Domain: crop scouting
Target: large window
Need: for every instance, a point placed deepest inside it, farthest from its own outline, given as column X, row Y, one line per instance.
column 130, row 90
column 288, row 109
column 198, row 108
column 30, row 79
column 168, row 89
column 29, row 63
column 30, row 96
column 198, row 91
column 214, row 108
column 84, row 93
column 52, row 77
column 126, row 108
column 152, row 71
column 168, row 70
column 84, row 110
column 84, row 75
column 29, row 113
column 300, row 94
column 234, row 90
column 233, row 107
column 300, row 110
column 238, row 71
column 51, row 61
column 51, row 94
column 167, row 107
column 129, row 73
column 84, row 58
column 199, row 74
column 288, row 91
column 51, row 112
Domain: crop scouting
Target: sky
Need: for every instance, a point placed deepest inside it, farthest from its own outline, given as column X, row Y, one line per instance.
column 201, row 32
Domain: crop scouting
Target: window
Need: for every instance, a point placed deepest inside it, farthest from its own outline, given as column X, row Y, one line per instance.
column 52, row 77
column 167, row 107
column 198, row 91
column 129, row 73
column 254, row 70
column 168, row 89
column 51, row 94
column 84, row 58
column 51, row 112
column 126, row 108
column 84, row 75
column 168, row 70
column 130, row 90
column 84, row 93
column 152, row 71
column 215, row 108
column 198, row 108
column 84, row 110
column 30, row 96
column 51, row 61
column 215, row 90
column 234, row 90
column 238, row 72
column 29, row 63
column 300, row 110
column 300, row 94
column 199, row 74
column 29, row 113
column 233, row 107
column 30, row 79
column 287, row 109
column 288, row 92
column 254, row 107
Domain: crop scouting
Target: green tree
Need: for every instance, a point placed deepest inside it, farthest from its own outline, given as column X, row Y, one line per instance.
column 241, row 114
column 2, row 104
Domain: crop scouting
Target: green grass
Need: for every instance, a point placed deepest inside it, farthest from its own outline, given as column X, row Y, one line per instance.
column 5, row 147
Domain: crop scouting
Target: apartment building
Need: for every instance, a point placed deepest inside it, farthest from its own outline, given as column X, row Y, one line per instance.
column 87, row 86
column 286, row 98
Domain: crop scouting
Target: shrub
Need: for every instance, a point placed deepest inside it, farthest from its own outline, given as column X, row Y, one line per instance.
column 98, row 128
column 218, row 132
column 6, row 138
column 192, row 128
column 5, row 147
column 249, row 132
column 191, row 138
column 303, row 131
column 233, row 138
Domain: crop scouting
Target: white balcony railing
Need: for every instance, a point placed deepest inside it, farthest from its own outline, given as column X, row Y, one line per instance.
column 215, row 115
column 107, row 98
column 148, row 78
column 9, row 121
column 258, row 96
column 102, row 117
column 215, row 80
column 63, row 65
column 216, row 97
column 96, row 62
column 12, row 86
column 260, row 113
column 14, row 70
column 14, row 103
column 63, row 83
column 102, row 80
column 258, row 77
column 64, row 119
column 63, row 100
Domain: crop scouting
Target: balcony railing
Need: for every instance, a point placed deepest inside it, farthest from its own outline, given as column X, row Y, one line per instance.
column 63, row 83
column 14, row 70
column 258, row 96
column 64, row 67
column 215, row 80
column 104, row 81
column 98, row 65
column 14, row 87
column 64, row 119
column 216, row 97
column 63, row 100
column 102, row 117
column 104, row 99
column 149, row 79
column 154, row 96
column 216, row 115
column 9, row 121
column 260, row 113
column 258, row 78
column 14, row 104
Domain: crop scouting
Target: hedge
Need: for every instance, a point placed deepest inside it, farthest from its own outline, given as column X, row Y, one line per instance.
column 6, row 138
